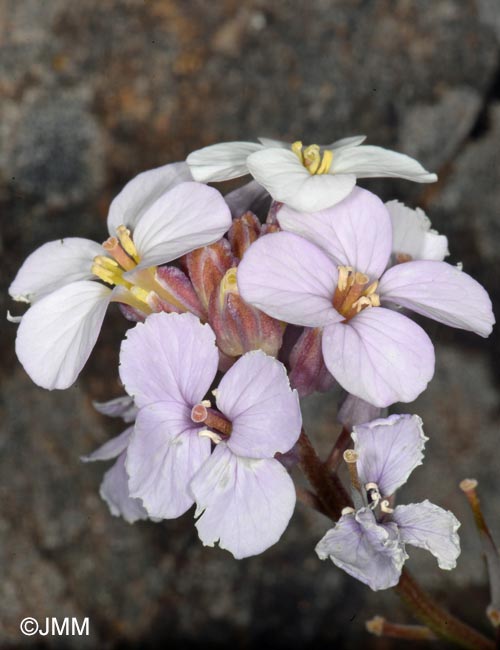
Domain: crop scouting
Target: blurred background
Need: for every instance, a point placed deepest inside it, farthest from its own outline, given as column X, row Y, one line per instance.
column 93, row 92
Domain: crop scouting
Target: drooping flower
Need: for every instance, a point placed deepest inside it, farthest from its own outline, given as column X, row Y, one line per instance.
column 156, row 218
column 329, row 273
column 369, row 542
column 244, row 496
column 308, row 178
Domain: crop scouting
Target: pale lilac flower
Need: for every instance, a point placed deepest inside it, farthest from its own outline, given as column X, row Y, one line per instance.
column 305, row 178
column 244, row 495
column 329, row 273
column 412, row 235
column 369, row 543
column 114, row 487
column 156, row 218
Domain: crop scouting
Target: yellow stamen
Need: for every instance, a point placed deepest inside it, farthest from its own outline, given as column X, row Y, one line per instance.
column 315, row 161
column 297, row 150
column 344, row 273
column 352, row 295
column 109, row 276
column 312, row 158
column 106, row 262
column 228, row 284
column 127, row 243
column 140, row 294
column 113, row 247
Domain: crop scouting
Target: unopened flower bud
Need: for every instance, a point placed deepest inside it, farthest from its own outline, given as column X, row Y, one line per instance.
column 239, row 327
column 244, row 231
column 174, row 293
column 308, row 372
column 207, row 266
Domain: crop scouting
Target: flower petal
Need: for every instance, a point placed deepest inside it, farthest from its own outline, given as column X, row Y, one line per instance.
column 428, row 526
column 439, row 291
column 168, row 357
column 288, row 181
column 368, row 161
column 389, row 449
column 356, row 232
column 250, row 196
column 255, row 395
column 120, row 407
column 369, row 552
column 355, row 411
column 221, row 162
column 114, row 490
column 246, row 503
column 52, row 266
column 412, row 234
column 110, row 449
column 57, row 334
column 380, row 356
column 187, row 217
column 350, row 141
column 163, row 455
column 289, row 278
column 139, row 194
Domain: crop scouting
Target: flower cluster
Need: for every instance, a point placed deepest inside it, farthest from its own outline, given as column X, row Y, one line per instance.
column 242, row 305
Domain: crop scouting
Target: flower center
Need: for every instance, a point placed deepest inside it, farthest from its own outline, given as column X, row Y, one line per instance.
column 312, row 158
column 221, row 428
column 353, row 293
column 375, row 499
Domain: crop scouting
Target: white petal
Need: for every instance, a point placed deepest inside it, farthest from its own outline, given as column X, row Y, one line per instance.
column 188, row 217
column 112, row 448
column 221, row 162
column 368, row 161
column 57, row 334
column 351, row 141
column 54, row 265
column 141, row 192
column 412, row 234
column 288, row 181
column 276, row 144
column 114, row 490
column 119, row 407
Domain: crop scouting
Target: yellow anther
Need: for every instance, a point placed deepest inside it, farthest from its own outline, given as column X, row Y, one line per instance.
column 344, row 273
column 126, row 242
column 109, row 276
column 297, row 150
column 228, row 284
column 371, row 289
column 360, row 303
column 312, row 158
column 106, row 262
column 326, row 162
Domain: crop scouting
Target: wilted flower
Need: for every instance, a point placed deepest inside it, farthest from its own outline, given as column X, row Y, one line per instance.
column 70, row 282
column 332, row 276
column 244, row 495
column 307, row 178
column 369, row 543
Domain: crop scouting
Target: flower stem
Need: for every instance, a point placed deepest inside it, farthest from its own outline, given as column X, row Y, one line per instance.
column 429, row 612
column 336, row 454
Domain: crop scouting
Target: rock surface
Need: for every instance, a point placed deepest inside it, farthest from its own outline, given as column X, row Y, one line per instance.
column 93, row 93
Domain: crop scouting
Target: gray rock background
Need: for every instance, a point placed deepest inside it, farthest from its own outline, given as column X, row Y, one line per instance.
column 93, row 92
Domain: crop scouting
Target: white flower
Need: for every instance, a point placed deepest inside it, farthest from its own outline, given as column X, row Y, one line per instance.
column 305, row 178
column 156, row 218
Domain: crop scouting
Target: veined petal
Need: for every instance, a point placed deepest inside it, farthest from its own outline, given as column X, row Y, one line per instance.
column 288, row 181
column 57, row 334
column 112, row 448
column 141, row 192
column 368, row 161
column 255, row 395
column 187, row 217
column 290, row 279
column 428, row 526
column 164, row 453
column 356, row 232
column 120, row 407
column 369, row 552
column 114, row 490
column 221, row 162
column 389, row 449
column 52, row 266
column 245, row 504
column 412, row 234
column 439, row 291
column 380, row 355
column 169, row 357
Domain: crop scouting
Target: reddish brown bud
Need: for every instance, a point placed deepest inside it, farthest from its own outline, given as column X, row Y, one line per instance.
column 308, row 372
column 244, row 231
column 207, row 266
column 272, row 215
column 174, row 293
column 239, row 327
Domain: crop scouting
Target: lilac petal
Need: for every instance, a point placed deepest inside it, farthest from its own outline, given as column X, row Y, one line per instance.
column 187, row 217
column 114, row 490
column 356, row 411
column 120, row 407
column 250, row 196
column 246, row 503
column 57, row 334
column 428, row 526
column 112, row 448
column 141, row 192
column 356, row 232
column 164, row 453
column 52, row 266
column 255, row 395
column 168, row 357
column 389, row 449
column 289, row 278
column 380, row 356
column 369, row 552
column 440, row 291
